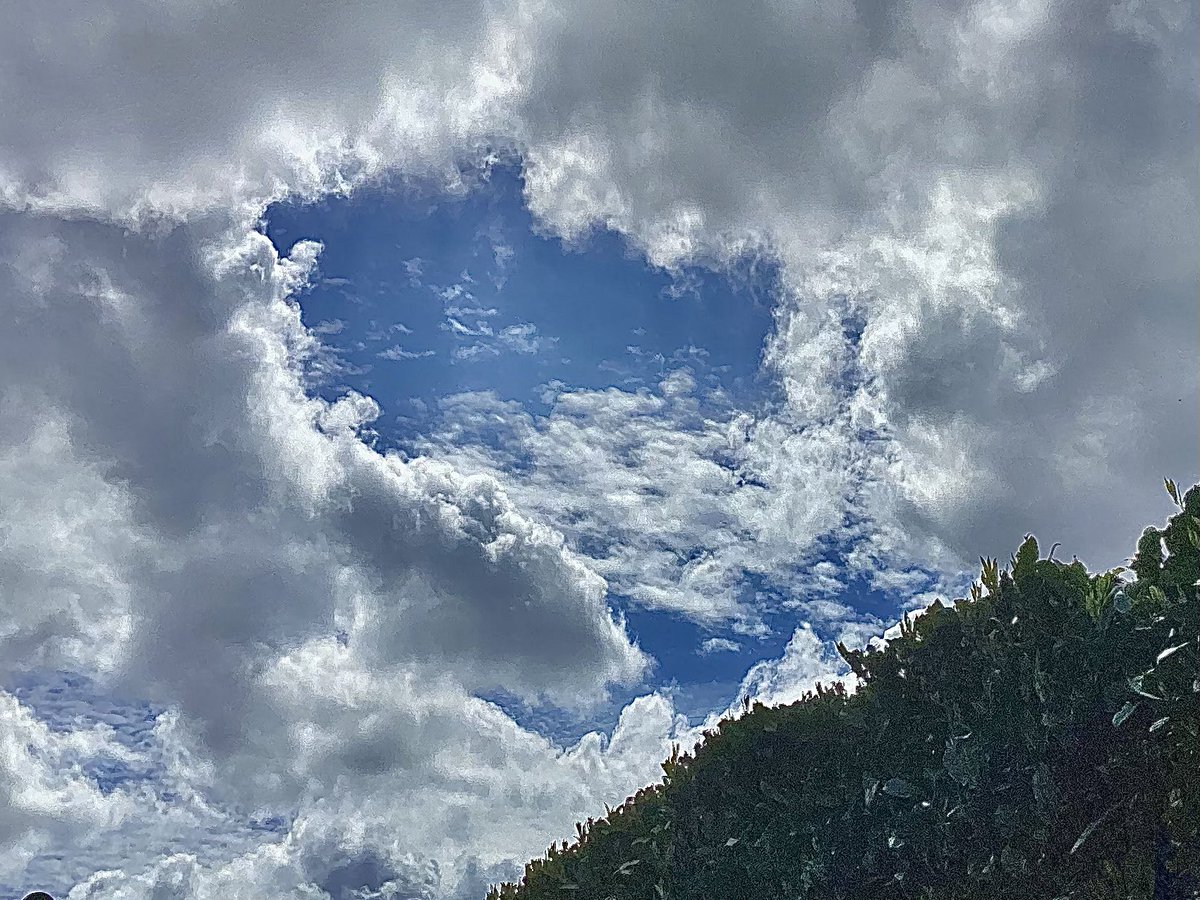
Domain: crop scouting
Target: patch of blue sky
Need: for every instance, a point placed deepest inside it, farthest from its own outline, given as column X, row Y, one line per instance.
column 69, row 702
column 423, row 298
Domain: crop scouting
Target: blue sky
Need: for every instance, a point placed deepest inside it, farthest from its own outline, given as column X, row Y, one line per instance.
column 401, row 263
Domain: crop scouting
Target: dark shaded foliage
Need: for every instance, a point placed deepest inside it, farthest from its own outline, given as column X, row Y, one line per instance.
column 1039, row 739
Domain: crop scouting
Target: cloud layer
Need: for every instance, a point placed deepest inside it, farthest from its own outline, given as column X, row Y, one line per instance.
column 985, row 216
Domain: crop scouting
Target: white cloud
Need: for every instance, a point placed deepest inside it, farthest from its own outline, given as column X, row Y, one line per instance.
column 459, row 312
column 456, row 327
column 1004, row 197
column 210, row 518
column 45, row 795
column 806, row 662
column 448, row 791
column 475, row 351
column 672, row 503
column 397, row 353
column 718, row 645
column 523, row 338
column 328, row 327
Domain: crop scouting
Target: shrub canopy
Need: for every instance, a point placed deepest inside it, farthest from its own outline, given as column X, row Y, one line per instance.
column 1038, row 739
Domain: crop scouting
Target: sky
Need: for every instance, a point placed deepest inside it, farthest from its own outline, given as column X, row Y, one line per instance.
column 418, row 417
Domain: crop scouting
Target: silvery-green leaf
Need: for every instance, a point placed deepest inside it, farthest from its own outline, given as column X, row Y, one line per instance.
column 1169, row 652
column 1124, row 713
column 898, row 787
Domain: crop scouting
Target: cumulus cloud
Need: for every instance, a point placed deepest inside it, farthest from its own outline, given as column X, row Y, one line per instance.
column 47, row 797
column 806, row 662
column 985, row 218
column 1002, row 198
column 183, row 516
column 434, row 772
column 674, row 498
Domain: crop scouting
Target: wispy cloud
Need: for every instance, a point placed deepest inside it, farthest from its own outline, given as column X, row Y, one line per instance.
column 524, row 338
column 396, row 352
column 329, row 327
column 718, row 645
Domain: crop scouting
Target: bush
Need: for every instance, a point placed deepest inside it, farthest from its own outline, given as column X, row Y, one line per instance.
column 1038, row 739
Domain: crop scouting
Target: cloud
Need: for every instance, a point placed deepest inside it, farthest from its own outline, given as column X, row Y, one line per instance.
column 47, row 798
column 863, row 134
column 210, row 518
column 985, row 220
column 397, row 353
column 459, row 312
column 442, row 821
column 676, row 499
column 718, row 645
column 524, row 338
column 124, row 110
column 806, row 662
column 456, row 327
column 329, row 327
column 1002, row 199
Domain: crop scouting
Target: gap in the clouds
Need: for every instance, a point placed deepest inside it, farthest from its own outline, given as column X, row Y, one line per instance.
column 424, row 296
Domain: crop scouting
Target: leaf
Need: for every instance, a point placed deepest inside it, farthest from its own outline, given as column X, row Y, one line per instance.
column 1136, row 685
column 1026, row 557
column 1123, row 713
column 870, row 786
column 961, row 761
column 898, row 787
column 1173, row 491
column 1170, row 651
column 1087, row 832
column 989, row 575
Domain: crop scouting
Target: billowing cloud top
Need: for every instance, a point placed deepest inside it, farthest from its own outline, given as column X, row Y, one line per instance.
column 985, row 217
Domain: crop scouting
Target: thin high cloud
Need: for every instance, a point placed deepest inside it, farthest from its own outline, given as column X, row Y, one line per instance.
column 1000, row 198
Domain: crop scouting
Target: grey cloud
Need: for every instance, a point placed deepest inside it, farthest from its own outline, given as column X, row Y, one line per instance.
column 216, row 515
column 1003, row 197
column 153, row 110
column 1051, row 146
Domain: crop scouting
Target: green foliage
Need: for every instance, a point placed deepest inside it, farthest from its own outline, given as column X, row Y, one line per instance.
column 1040, row 739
